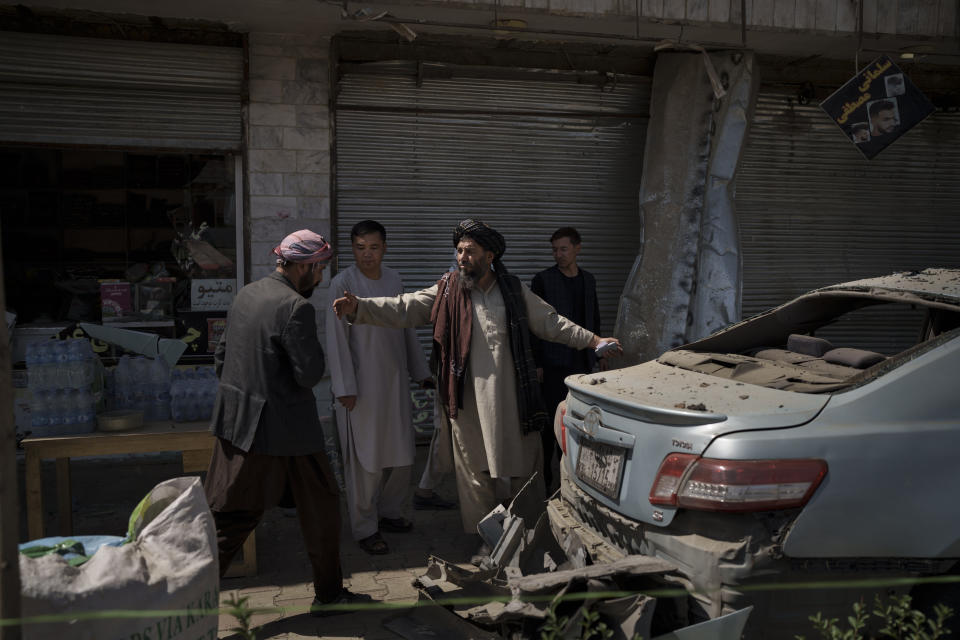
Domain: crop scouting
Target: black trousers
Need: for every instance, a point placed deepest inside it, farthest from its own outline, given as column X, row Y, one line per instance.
column 241, row 485
column 554, row 391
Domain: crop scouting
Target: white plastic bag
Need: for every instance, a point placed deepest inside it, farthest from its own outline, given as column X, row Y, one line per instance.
column 169, row 564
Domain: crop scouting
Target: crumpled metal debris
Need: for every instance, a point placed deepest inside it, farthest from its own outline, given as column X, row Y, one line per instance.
column 529, row 576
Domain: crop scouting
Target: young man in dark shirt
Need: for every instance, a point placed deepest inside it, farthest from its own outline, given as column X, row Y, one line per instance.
column 572, row 291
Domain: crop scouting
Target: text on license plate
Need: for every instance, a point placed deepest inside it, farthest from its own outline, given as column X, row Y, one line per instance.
column 601, row 466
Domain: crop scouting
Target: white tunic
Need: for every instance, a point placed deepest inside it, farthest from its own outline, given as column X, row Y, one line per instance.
column 489, row 422
column 375, row 364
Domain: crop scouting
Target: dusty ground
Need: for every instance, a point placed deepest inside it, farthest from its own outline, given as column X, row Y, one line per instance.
column 106, row 489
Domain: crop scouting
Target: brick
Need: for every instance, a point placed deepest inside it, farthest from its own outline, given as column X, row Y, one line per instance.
column 313, row 161
column 313, row 70
column 306, row 138
column 313, row 115
column 273, row 67
column 266, row 137
column 272, row 161
column 266, row 184
column 301, row 92
column 265, row 90
column 306, row 184
column 313, row 208
column 273, row 206
column 262, row 113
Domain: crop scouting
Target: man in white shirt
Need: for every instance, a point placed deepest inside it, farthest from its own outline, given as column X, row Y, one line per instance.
column 370, row 372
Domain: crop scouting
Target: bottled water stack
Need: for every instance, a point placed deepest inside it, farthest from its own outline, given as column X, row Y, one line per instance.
column 60, row 375
column 192, row 393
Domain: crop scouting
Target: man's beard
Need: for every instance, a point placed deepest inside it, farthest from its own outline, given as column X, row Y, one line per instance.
column 468, row 278
column 308, row 292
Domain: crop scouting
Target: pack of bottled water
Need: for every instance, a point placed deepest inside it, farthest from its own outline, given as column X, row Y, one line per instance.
column 60, row 375
column 143, row 384
column 192, row 394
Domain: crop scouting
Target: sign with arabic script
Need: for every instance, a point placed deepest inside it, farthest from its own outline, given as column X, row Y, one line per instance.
column 212, row 294
column 877, row 106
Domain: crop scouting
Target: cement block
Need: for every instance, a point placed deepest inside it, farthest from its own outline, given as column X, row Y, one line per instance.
column 302, row 92
column 266, row 184
column 869, row 16
column 265, row 90
column 313, row 208
column 273, row 206
column 698, row 10
column 272, row 160
column 674, row 9
column 846, row 17
column 313, row 161
column 262, row 113
column 762, row 15
column 886, row 16
column 306, row 138
column 266, row 137
column 273, row 67
column 306, row 184
column 826, row 15
column 784, row 13
column 651, row 8
column 805, row 16
column 313, row 70
column 313, row 115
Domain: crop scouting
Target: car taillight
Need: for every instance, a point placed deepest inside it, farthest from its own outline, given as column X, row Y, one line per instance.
column 708, row 484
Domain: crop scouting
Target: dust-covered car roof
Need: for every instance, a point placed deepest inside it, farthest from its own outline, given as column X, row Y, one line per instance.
column 942, row 285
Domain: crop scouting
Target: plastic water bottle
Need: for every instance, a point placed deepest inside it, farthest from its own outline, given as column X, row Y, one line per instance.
column 74, row 364
column 54, row 417
column 176, row 396
column 192, row 405
column 40, row 411
column 86, row 413
column 67, row 406
column 159, row 396
column 61, row 356
column 123, row 383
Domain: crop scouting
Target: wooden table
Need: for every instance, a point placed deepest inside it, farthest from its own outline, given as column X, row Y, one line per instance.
column 191, row 439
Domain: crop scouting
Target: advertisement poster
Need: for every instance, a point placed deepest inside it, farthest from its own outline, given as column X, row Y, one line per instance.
column 877, row 106
column 212, row 294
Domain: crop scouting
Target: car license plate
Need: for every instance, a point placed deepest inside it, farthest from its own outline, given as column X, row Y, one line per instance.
column 601, row 466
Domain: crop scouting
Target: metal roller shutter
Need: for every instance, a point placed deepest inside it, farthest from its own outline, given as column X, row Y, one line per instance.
column 525, row 155
column 99, row 92
column 813, row 212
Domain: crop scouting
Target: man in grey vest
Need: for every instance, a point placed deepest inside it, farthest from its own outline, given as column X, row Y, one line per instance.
column 269, row 447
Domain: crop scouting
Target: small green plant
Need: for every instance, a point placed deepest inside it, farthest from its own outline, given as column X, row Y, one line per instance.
column 899, row 620
column 591, row 626
column 244, row 614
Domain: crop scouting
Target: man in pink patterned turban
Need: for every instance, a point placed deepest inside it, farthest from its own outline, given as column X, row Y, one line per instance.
column 270, row 447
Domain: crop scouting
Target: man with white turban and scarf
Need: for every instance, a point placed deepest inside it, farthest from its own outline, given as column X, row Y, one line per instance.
column 269, row 444
column 487, row 380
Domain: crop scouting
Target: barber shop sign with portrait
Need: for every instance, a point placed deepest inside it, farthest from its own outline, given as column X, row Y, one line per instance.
column 877, row 106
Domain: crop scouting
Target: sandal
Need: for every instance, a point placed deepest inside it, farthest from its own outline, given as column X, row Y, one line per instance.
column 395, row 525
column 375, row 545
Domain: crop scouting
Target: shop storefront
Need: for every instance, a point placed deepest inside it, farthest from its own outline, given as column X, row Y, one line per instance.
column 813, row 212
column 120, row 188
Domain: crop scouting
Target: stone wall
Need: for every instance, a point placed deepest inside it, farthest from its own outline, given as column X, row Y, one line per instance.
column 288, row 142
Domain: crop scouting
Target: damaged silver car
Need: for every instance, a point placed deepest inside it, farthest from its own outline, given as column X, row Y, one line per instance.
column 773, row 465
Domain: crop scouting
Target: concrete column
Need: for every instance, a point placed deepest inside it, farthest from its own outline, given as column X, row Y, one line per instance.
column 685, row 282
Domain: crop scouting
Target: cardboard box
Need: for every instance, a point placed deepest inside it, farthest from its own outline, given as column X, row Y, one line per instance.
column 115, row 300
